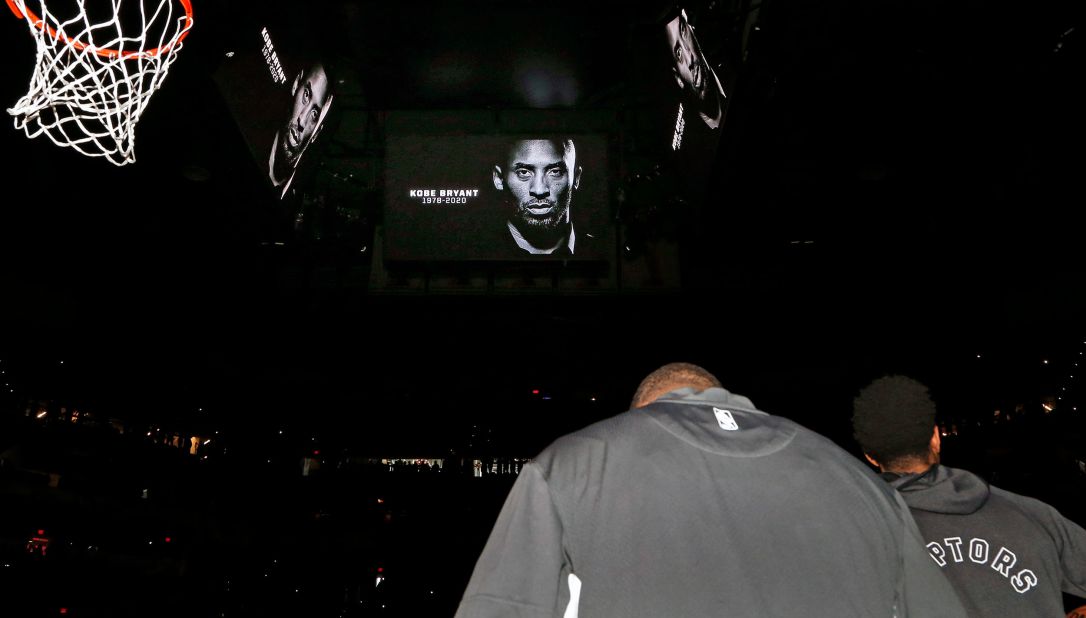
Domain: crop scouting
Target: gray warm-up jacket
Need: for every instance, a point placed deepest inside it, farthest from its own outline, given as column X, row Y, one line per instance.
column 1007, row 555
column 701, row 505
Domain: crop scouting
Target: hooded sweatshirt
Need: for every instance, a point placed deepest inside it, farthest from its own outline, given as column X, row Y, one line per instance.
column 701, row 505
column 1006, row 554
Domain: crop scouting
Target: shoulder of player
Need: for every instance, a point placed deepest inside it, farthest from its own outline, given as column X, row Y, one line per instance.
column 1032, row 507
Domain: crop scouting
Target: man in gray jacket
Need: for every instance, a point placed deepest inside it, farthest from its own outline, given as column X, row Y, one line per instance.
column 695, row 503
column 1007, row 555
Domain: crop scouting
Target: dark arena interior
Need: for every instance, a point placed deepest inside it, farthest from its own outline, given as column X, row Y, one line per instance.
column 236, row 385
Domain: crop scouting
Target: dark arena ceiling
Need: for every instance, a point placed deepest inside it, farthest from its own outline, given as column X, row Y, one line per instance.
column 898, row 168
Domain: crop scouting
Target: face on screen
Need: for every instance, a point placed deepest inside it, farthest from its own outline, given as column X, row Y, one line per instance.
column 540, row 176
column 311, row 96
column 691, row 71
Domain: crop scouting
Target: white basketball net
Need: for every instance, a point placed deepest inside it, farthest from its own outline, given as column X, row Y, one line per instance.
column 92, row 81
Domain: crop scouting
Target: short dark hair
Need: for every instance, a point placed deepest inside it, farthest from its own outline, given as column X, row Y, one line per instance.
column 671, row 377
column 669, row 13
column 508, row 144
column 893, row 418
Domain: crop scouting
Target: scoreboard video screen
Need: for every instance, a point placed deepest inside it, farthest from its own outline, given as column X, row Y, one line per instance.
column 497, row 197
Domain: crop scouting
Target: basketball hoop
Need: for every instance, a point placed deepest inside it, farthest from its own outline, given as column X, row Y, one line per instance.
column 92, row 81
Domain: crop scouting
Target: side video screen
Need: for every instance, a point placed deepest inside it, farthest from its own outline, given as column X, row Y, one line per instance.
column 280, row 99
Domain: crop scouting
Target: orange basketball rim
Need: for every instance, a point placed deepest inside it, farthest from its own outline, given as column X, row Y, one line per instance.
column 106, row 53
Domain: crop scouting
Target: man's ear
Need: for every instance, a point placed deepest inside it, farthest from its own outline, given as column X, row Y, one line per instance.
column 577, row 178
column 936, row 443
column 496, row 175
column 872, row 461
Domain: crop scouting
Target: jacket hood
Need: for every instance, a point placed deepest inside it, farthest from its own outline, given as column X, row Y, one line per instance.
column 942, row 490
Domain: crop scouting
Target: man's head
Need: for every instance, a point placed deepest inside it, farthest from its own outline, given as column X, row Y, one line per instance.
column 893, row 419
column 670, row 377
column 311, row 98
column 690, row 69
column 540, row 177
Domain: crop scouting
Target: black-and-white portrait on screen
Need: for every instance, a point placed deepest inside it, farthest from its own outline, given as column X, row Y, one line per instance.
column 537, row 180
column 703, row 93
column 280, row 98
column 528, row 196
column 310, row 100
